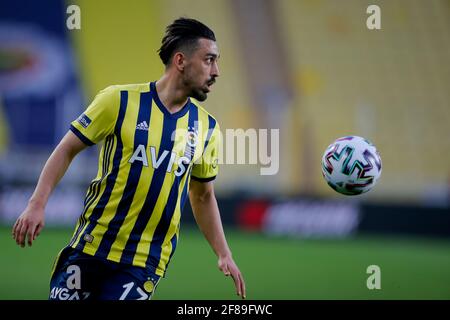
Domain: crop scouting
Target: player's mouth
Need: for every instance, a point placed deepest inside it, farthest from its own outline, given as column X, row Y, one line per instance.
column 209, row 84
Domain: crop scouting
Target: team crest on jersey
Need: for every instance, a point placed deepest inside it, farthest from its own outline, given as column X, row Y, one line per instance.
column 148, row 286
column 215, row 163
column 192, row 137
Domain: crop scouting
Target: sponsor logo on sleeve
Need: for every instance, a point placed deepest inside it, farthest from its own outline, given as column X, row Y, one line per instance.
column 84, row 120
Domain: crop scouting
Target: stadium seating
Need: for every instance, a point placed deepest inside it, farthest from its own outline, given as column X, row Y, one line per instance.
column 389, row 85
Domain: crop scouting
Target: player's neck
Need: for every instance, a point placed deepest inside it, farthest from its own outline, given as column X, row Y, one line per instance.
column 172, row 97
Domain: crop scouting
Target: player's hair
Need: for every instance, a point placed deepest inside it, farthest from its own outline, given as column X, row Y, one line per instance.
column 183, row 35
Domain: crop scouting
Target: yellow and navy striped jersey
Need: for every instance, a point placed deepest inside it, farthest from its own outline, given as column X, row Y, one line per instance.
column 132, row 208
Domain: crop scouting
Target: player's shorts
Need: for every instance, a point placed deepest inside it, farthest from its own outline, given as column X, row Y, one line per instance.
column 79, row 276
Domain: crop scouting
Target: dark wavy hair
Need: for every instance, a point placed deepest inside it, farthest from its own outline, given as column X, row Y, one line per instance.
column 182, row 35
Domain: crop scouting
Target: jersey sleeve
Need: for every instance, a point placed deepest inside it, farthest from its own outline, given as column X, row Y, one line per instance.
column 98, row 120
column 207, row 168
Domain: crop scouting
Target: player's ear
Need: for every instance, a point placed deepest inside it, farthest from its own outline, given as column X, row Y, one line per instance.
column 179, row 61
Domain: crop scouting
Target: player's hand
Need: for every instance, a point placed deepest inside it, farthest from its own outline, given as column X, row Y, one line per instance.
column 229, row 267
column 28, row 226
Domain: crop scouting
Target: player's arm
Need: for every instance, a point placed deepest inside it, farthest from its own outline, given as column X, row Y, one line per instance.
column 91, row 127
column 31, row 221
column 207, row 215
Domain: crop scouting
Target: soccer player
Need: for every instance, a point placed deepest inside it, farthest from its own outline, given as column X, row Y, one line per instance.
column 159, row 146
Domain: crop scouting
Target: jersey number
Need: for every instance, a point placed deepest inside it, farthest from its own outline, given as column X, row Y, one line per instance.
column 128, row 287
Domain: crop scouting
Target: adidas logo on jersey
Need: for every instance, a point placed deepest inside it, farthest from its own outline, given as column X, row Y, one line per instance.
column 142, row 126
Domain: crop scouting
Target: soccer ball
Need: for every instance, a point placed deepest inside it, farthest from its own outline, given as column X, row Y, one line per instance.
column 351, row 165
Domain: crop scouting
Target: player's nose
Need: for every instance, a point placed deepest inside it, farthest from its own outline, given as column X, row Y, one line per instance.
column 215, row 70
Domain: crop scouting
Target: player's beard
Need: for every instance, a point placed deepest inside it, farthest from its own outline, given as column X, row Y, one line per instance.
column 197, row 92
column 201, row 93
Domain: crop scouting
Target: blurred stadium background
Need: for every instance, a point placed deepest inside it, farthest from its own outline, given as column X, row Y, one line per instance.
column 311, row 69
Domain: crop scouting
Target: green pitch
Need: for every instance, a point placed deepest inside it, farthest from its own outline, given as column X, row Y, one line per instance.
column 274, row 268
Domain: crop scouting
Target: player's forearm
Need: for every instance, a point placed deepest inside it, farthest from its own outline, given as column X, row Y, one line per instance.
column 54, row 169
column 207, row 216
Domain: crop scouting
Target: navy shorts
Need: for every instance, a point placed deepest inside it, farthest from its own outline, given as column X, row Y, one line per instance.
column 79, row 276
